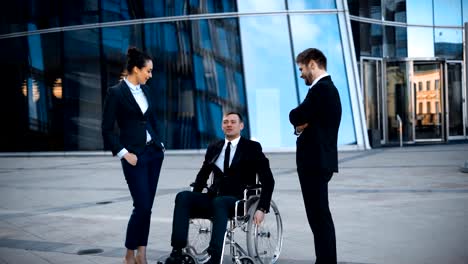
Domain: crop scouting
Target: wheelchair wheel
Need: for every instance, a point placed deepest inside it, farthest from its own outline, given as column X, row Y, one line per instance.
column 245, row 260
column 199, row 238
column 188, row 259
column 264, row 242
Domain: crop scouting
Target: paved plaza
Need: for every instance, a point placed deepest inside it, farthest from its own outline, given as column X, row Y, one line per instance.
column 390, row 205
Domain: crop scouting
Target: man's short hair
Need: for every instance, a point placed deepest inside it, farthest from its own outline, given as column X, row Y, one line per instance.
column 312, row 54
column 235, row 113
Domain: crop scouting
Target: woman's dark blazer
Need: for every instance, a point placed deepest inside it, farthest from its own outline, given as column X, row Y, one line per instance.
column 121, row 108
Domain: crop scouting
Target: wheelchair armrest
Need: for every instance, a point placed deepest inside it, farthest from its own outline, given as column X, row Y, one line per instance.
column 256, row 187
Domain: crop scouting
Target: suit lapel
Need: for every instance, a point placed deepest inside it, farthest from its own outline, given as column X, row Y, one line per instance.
column 238, row 154
column 127, row 94
column 217, row 151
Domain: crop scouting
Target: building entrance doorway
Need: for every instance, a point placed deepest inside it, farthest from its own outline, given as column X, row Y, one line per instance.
column 412, row 101
column 427, row 86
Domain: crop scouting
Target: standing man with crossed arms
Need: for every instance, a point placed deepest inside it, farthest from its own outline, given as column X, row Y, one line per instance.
column 316, row 121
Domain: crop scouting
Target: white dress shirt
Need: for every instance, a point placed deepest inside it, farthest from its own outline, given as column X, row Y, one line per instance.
column 220, row 161
column 142, row 102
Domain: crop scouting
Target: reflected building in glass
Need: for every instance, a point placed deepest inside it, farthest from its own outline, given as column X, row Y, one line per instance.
column 213, row 56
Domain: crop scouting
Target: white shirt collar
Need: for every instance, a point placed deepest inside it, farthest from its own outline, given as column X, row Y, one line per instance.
column 132, row 86
column 318, row 78
column 234, row 142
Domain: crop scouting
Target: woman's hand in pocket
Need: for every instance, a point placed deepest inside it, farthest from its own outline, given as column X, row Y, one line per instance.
column 131, row 158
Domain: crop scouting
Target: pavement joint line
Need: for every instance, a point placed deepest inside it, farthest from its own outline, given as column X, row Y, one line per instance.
column 399, row 166
column 79, row 206
column 360, row 155
column 114, row 252
column 56, row 211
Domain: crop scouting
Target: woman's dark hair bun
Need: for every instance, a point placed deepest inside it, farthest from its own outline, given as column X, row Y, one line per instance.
column 132, row 52
column 136, row 58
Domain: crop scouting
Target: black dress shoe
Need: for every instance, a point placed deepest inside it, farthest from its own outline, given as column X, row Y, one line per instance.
column 175, row 257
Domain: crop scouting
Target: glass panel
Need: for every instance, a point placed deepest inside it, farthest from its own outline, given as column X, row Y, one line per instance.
column 395, row 10
column 16, row 17
column 82, row 89
column 449, row 43
column 322, row 32
column 419, row 12
column 34, row 106
column 78, row 12
column 306, row 4
column 372, row 78
column 46, row 14
column 395, row 39
column 428, row 123
column 420, row 42
column 260, row 6
column 455, row 99
column 196, row 79
column 447, row 13
column 365, row 8
column 370, row 39
column 271, row 86
column 465, row 10
column 398, row 102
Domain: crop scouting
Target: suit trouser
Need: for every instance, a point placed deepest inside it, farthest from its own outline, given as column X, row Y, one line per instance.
column 314, row 185
column 142, row 180
column 200, row 205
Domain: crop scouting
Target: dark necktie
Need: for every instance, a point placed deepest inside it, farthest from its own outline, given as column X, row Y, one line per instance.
column 227, row 155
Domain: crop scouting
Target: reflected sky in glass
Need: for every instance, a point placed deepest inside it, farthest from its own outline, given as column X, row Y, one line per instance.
column 260, row 5
column 420, row 42
column 449, row 43
column 322, row 32
column 465, row 10
column 307, row 4
column 447, row 13
column 419, row 12
column 269, row 78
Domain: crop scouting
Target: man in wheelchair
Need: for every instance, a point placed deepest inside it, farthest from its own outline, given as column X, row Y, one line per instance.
column 235, row 163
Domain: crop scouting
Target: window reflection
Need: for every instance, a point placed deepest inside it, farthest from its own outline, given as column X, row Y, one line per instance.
column 428, row 115
column 260, row 5
column 365, row 8
column 322, row 32
column 420, row 42
column 395, row 10
column 195, row 79
column 447, row 13
column 398, row 102
column 419, row 12
column 448, row 43
column 395, row 39
column 271, row 87
column 306, row 4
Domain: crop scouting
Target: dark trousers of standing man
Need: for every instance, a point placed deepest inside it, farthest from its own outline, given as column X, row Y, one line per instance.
column 314, row 185
column 142, row 180
column 200, row 205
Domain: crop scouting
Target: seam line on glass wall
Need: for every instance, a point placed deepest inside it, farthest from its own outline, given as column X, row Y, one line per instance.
column 166, row 19
column 398, row 24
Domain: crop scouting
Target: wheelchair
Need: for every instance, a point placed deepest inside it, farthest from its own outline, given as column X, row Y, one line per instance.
column 262, row 243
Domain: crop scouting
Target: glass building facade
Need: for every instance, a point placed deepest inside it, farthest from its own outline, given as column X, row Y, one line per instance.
column 210, row 56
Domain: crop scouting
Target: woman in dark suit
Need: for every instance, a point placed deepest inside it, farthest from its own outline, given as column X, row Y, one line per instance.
column 138, row 146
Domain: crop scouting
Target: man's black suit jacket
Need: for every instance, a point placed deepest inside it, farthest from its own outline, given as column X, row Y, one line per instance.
column 248, row 161
column 120, row 106
column 321, row 109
